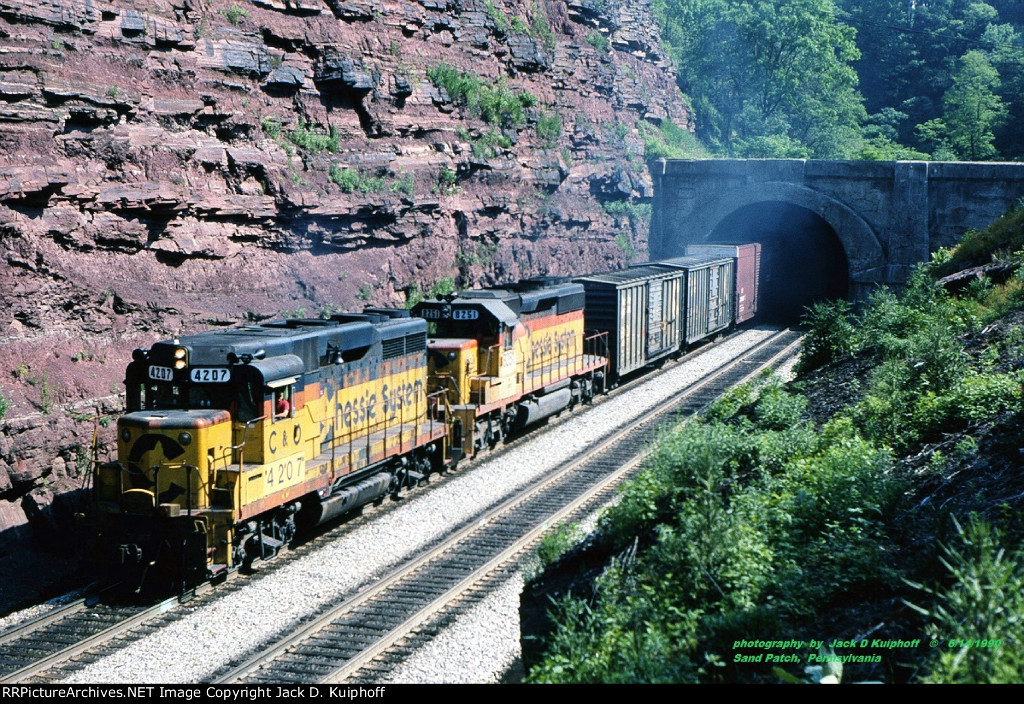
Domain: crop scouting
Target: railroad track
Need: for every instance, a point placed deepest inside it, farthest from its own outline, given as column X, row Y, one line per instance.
column 338, row 643
column 53, row 646
column 41, row 643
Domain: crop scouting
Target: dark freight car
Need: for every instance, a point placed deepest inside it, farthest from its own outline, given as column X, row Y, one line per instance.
column 748, row 273
column 708, row 293
column 641, row 310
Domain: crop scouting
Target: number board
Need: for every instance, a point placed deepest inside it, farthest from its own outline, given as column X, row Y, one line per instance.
column 430, row 313
column 465, row 314
column 284, row 474
column 209, row 375
column 161, row 373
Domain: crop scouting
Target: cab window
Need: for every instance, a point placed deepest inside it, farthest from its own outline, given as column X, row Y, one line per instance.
column 282, row 402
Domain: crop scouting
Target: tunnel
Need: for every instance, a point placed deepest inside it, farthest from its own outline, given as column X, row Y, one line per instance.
column 802, row 259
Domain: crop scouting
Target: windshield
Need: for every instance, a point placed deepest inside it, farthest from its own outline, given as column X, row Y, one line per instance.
column 241, row 400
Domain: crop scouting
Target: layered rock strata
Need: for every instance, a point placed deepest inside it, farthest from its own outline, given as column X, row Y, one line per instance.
column 173, row 165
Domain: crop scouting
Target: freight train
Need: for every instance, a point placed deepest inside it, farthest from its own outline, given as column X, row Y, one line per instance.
column 235, row 440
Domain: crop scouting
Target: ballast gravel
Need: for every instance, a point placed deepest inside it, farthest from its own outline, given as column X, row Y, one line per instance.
column 455, row 655
column 191, row 649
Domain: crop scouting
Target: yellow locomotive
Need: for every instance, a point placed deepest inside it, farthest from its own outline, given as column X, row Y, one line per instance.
column 505, row 358
column 236, row 438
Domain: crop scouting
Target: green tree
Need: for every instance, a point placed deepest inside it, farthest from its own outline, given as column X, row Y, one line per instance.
column 974, row 108
column 1007, row 56
column 757, row 69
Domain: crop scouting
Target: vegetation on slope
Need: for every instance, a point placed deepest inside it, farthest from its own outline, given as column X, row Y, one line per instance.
column 876, row 499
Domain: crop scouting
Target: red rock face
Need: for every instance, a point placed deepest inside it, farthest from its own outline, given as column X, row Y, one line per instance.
column 173, row 165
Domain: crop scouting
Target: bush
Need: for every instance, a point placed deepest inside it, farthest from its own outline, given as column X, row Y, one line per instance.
column 540, row 28
column 315, row 142
column 498, row 17
column 489, row 144
column 447, row 182
column 352, row 180
column 495, row 104
column 669, row 140
column 984, row 603
column 599, row 42
column 549, row 127
column 271, row 127
column 4, row 406
column 234, row 14
column 638, row 212
column 404, row 184
column 557, row 542
column 830, row 335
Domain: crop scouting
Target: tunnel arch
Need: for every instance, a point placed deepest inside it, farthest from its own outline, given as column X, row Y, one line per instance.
column 802, row 259
column 856, row 244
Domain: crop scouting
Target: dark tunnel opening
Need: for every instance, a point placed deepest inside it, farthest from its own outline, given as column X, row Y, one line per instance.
column 802, row 259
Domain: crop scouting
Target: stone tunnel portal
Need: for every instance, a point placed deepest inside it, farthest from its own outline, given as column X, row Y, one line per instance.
column 802, row 259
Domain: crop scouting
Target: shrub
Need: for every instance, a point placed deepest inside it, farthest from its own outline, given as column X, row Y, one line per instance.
column 670, row 141
column 549, row 127
column 271, row 127
column 4, row 406
column 413, row 295
column 234, row 14
column 498, row 17
column 599, row 42
column 625, row 244
column 352, row 180
column 540, row 29
column 489, row 144
column 830, row 335
column 444, row 287
column 985, row 603
column 447, row 182
column 557, row 542
column 495, row 104
column 315, row 142
column 637, row 212
column 404, row 184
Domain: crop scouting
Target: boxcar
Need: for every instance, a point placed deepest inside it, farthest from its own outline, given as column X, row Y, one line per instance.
column 709, row 287
column 641, row 310
column 748, row 273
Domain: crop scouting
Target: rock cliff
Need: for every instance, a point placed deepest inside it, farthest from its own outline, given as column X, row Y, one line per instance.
column 173, row 165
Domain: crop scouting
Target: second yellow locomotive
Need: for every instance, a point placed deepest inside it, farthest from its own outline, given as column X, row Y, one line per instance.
column 511, row 356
